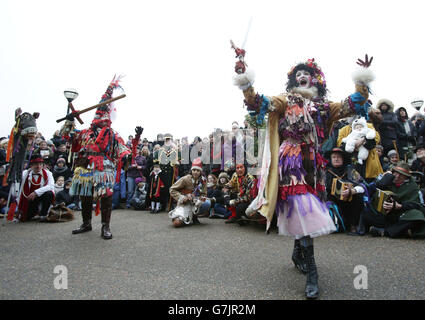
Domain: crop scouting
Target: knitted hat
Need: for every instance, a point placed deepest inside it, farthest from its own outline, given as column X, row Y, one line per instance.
column 139, row 179
column 391, row 153
column 197, row 164
column 223, row 175
column 61, row 160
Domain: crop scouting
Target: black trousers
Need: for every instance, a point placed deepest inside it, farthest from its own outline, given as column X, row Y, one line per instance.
column 393, row 226
column 240, row 209
column 45, row 199
column 350, row 210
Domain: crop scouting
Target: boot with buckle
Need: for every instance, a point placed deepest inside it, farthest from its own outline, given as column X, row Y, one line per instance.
column 298, row 257
column 312, row 288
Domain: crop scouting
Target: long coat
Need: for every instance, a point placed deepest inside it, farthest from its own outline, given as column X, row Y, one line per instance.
column 407, row 195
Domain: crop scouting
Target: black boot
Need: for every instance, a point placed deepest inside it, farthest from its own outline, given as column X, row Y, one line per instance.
column 311, row 288
column 298, row 257
column 86, row 226
column 86, row 209
column 106, row 207
column 195, row 219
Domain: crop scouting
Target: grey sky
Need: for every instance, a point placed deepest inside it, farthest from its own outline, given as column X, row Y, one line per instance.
column 177, row 58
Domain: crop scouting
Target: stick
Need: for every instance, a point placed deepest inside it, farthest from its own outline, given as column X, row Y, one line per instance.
column 94, row 107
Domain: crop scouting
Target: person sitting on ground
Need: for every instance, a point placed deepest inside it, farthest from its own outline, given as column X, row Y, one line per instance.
column 63, row 196
column 349, row 201
column 208, row 204
column 38, row 187
column 217, row 196
column 138, row 202
column 404, row 213
column 189, row 192
column 3, row 203
column 245, row 185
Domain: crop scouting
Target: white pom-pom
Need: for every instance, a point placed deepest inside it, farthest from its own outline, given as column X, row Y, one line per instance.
column 363, row 76
column 244, row 80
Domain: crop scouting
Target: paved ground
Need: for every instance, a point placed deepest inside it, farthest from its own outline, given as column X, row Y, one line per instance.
column 149, row 259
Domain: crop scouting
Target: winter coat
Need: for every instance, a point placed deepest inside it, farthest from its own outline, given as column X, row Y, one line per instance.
column 403, row 137
column 388, row 127
column 64, row 172
column 139, row 199
column 63, row 196
column 408, row 196
column 185, row 185
column 373, row 165
column 133, row 172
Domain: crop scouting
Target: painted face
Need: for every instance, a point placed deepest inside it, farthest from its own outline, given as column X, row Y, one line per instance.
column 240, row 170
column 336, row 159
column 303, row 79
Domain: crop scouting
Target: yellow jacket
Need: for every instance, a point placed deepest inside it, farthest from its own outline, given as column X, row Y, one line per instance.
column 373, row 165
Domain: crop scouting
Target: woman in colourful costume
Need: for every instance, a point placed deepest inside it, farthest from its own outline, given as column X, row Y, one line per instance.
column 292, row 182
column 100, row 153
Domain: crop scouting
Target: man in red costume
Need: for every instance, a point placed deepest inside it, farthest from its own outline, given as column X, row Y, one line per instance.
column 101, row 153
column 37, row 187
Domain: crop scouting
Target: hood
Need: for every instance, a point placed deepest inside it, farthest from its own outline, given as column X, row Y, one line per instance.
column 387, row 102
column 397, row 112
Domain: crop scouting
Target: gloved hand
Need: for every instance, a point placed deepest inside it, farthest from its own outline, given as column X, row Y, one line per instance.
column 70, row 117
column 240, row 67
column 139, row 130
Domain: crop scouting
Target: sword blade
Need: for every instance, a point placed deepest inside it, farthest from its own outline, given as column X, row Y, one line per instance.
column 246, row 34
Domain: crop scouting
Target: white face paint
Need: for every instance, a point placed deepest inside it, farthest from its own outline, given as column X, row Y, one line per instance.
column 303, row 79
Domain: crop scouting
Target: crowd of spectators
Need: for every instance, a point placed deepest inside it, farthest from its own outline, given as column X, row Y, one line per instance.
column 396, row 159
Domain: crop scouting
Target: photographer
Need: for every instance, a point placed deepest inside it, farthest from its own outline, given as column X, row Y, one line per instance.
column 404, row 212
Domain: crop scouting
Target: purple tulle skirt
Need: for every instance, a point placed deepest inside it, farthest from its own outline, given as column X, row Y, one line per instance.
column 303, row 215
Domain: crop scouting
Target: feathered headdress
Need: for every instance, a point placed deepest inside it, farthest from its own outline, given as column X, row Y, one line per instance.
column 107, row 112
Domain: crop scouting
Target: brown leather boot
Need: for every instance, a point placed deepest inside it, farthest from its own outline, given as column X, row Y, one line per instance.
column 86, row 209
column 106, row 209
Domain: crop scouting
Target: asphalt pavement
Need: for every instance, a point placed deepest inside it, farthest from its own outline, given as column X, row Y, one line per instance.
column 148, row 259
